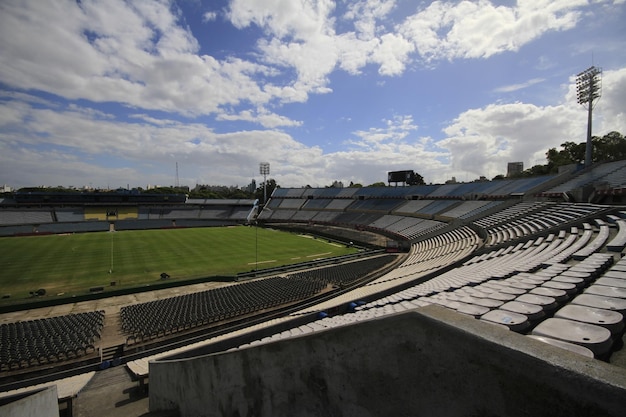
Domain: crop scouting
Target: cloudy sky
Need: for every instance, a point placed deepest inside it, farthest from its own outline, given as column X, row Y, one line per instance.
column 116, row 93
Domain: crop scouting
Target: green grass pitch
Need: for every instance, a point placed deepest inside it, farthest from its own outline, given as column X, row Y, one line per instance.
column 73, row 263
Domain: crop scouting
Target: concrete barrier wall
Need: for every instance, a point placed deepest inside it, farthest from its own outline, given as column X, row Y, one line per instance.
column 428, row 362
column 42, row 403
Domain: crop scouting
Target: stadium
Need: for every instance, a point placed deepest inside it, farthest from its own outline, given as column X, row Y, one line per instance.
column 512, row 289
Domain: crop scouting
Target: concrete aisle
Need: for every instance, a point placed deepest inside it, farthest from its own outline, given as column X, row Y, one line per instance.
column 112, row 393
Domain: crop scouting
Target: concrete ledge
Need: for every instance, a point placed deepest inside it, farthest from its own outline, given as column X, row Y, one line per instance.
column 38, row 403
column 430, row 361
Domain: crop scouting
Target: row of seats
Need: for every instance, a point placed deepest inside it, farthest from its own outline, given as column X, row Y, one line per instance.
column 598, row 174
column 577, row 306
column 158, row 318
column 592, row 321
column 20, row 216
column 345, row 274
column 522, row 221
column 42, row 341
column 496, row 188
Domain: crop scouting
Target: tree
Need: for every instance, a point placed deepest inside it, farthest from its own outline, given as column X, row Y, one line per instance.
column 271, row 186
column 610, row 147
column 416, row 179
column 571, row 153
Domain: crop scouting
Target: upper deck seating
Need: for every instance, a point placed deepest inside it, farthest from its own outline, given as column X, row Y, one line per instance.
column 384, row 205
column 598, row 174
column 413, row 206
column 72, row 214
column 465, row 209
column 316, row 204
column 23, row 216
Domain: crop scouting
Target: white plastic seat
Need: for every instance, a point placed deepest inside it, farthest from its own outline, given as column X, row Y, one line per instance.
column 611, row 320
column 595, row 338
column 581, row 350
column 569, row 288
column 485, row 302
column 546, row 303
column 614, row 273
column 586, row 276
column 598, row 301
column 605, row 291
column 514, row 321
column 611, row 282
column 578, row 282
column 559, row 296
column 532, row 311
column 471, row 309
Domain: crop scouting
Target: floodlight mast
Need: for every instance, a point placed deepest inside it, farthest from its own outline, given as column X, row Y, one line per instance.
column 588, row 91
column 264, row 169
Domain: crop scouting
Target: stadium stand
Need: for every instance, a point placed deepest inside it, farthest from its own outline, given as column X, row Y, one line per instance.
column 515, row 289
column 542, row 267
column 73, row 214
column 171, row 315
column 21, row 216
column 46, row 341
column 611, row 176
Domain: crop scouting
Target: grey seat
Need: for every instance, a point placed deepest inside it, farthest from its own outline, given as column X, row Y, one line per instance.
column 595, row 338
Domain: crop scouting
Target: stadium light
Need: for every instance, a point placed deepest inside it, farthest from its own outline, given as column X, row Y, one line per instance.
column 264, row 169
column 588, row 91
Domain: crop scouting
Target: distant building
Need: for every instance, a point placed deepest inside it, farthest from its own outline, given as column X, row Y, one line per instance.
column 514, row 168
column 5, row 189
column 251, row 188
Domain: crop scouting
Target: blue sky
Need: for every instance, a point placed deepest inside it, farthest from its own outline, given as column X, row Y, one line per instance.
column 109, row 93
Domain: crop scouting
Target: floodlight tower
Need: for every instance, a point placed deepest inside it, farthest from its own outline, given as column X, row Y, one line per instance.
column 588, row 91
column 264, row 169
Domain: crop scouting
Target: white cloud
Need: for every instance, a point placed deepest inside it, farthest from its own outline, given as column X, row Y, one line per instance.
column 142, row 55
column 79, row 143
column 515, row 87
column 209, row 17
column 480, row 29
column 260, row 116
column 137, row 54
column 481, row 141
column 395, row 130
column 366, row 15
